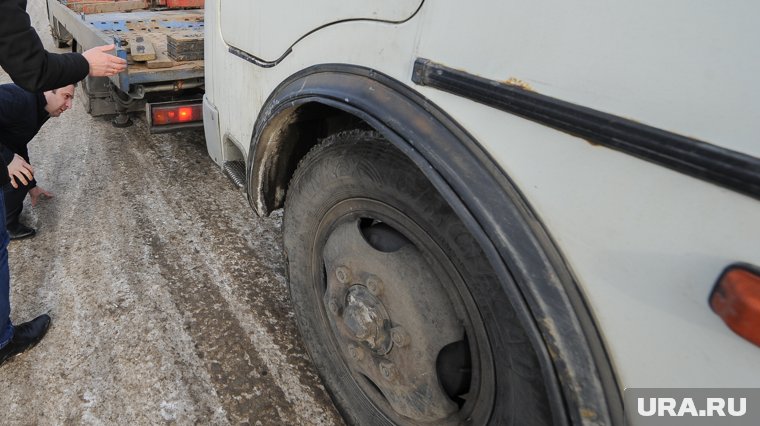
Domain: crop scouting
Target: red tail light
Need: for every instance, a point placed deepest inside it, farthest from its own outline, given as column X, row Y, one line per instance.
column 185, row 114
column 176, row 114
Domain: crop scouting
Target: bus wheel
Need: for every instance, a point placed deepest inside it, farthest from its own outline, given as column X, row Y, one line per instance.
column 396, row 303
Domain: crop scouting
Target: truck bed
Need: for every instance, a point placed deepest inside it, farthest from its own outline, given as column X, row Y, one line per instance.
column 91, row 27
column 154, row 26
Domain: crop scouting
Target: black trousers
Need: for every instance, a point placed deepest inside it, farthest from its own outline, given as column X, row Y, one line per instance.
column 14, row 202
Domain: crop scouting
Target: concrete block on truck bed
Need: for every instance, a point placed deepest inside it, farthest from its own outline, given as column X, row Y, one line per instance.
column 162, row 61
column 105, row 6
column 185, row 45
column 141, row 49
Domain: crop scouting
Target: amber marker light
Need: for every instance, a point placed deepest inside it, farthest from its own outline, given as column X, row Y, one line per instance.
column 736, row 299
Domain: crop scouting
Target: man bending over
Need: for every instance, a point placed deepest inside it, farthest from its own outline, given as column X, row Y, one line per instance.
column 22, row 114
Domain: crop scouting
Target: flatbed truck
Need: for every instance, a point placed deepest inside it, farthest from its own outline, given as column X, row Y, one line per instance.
column 168, row 90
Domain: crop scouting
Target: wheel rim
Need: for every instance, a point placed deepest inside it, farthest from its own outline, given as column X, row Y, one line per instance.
column 399, row 315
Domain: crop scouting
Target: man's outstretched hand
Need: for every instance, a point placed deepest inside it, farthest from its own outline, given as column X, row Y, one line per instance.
column 21, row 170
column 38, row 194
column 103, row 64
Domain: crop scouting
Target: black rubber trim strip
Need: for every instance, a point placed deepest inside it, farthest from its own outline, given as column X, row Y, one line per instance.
column 730, row 169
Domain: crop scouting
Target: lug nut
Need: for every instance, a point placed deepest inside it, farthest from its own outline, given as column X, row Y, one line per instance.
column 399, row 336
column 356, row 352
column 333, row 306
column 343, row 274
column 374, row 285
column 388, row 370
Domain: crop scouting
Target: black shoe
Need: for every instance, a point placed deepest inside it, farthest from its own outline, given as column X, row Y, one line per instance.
column 18, row 231
column 25, row 336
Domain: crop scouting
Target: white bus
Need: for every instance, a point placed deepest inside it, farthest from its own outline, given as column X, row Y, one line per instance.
column 502, row 212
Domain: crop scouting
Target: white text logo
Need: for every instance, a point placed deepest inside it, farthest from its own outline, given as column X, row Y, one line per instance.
column 686, row 407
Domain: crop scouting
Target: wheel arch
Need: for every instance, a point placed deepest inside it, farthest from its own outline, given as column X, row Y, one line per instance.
column 325, row 99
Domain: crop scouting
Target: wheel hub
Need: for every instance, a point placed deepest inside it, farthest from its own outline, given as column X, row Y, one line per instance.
column 367, row 319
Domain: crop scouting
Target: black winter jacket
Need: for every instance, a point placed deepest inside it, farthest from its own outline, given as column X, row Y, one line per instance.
column 22, row 114
column 24, row 58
